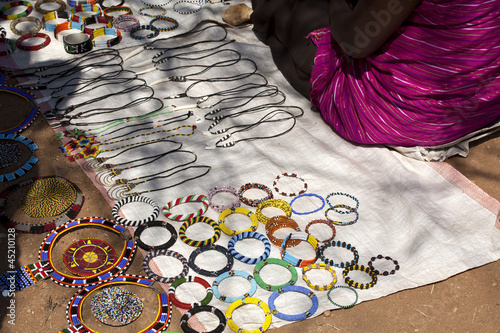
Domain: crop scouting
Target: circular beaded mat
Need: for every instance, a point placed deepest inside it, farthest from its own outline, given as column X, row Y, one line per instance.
column 115, row 306
column 89, row 256
column 10, row 153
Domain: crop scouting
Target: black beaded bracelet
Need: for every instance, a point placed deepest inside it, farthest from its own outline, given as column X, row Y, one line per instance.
column 345, row 245
column 204, row 308
column 384, row 273
column 356, row 284
column 154, row 32
column 213, row 247
column 152, row 224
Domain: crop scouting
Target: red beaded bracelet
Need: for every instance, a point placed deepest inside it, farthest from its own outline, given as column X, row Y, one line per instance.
column 21, row 46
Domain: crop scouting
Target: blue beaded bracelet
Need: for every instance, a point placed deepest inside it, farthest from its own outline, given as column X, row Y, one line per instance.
column 154, row 32
column 348, row 210
column 231, row 273
column 339, row 305
column 346, row 195
column 296, row 317
column 249, row 234
column 308, row 195
column 345, row 245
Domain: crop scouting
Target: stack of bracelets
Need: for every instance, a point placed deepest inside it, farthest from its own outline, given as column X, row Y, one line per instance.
column 342, row 209
column 281, row 222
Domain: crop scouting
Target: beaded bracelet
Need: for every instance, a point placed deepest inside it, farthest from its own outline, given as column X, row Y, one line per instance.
column 189, row 278
column 206, row 308
column 75, row 3
column 101, row 3
column 198, row 243
column 277, row 203
column 106, row 32
column 134, row 32
column 68, row 25
column 185, row 12
column 291, row 259
column 319, row 266
column 356, row 284
column 219, row 189
column 101, row 20
column 334, row 207
column 248, row 300
column 384, row 273
column 163, row 252
column 213, row 247
column 244, row 235
column 94, row 9
column 308, row 195
column 77, row 43
column 167, row 19
column 155, row 224
column 136, row 198
column 157, row 4
column 21, row 46
column 11, row 47
column 122, row 22
column 231, row 273
column 345, row 245
column 190, row 198
column 237, row 210
column 274, row 261
column 124, row 9
column 36, row 21
column 254, row 202
column 281, row 222
column 26, row 12
column 328, row 223
column 343, row 306
column 299, row 289
column 3, row 32
column 349, row 209
column 54, row 16
column 142, row 11
column 40, row 3
column 292, row 175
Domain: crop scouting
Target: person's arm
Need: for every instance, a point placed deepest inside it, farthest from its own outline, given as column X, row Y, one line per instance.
column 362, row 30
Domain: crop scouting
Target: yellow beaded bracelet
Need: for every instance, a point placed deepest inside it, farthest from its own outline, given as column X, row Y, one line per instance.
column 237, row 210
column 319, row 266
column 248, row 300
column 277, row 203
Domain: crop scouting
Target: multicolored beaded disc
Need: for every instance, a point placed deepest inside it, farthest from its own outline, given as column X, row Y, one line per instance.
column 115, row 306
column 89, row 256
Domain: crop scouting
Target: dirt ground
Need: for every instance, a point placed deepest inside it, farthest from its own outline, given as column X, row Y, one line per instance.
column 467, row 302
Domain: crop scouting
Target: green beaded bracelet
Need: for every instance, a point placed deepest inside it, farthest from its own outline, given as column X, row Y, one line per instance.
column 343, row 306
column 274, row 261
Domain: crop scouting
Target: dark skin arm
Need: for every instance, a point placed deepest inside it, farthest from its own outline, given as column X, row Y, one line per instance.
column 363, row 29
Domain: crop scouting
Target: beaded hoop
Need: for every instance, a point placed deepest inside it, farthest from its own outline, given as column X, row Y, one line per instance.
column 21, row 46
column 106, row 32
column 384, row 273
column 29, row 163
column 120, row 22
column 167, row 19
column 229, row 274
column 146, row 3
column 351, row 210
column 254, row 202
column 292, row 175
column 36, row 21
column 308, row 195
column 40, row 3
column 191, row 198
column 328, row 223
column 277, row 203
column 343, row 306
column 205, row 308
column 102, row 21
column 197, row 243
column 11, row 46
column 296, row 261
column 296, row 317
column 101, row 3
column 185, row 12
column 162, row 252
column 189, row 278
column 274, row 261
column 249, row 234
column 30, row 117
column 116, row 307
column 127, row 11
column 349, row 207
column 319, row 266
column 142, row 11
column 237, row 210
column 280, row 222
column 155, row 224
column 356, row 284
column 219, row 189
column 26, row 12
column 84, row 8
column 134, row 32
column 345, row 245
column 213, row 247
column 248, row 300
column 136, row 223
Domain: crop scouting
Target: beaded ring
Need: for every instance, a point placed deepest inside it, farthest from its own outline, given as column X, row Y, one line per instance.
column 120, row 22
column 277, row 203
column 296, row 261
column 319, row 266
column 189, row 278
column 345, row 245
column 152, row 224
column 40, row 3
column 292, row 175
column 197, row 243
column 36, row 21
column 185, row 12
column 343, row 306
column 142, row 11
column 162, row 252
column 350, row 210
column 219, row 189
column 21, row 46
column 237, row 210
column 134, row 32
column 191, row 198
column 249, row 234
column 213, row 247
column 280, row 222
column 384, row 273
column 296, row 317
column 356, row 284
column 248, row 300
column 274, row 261
column 334, row 207
column 229, row 274
column 135, row 198
column 308, row 195
column 254, row 202
column 328, row 223
column 29, row 163
column 205, row 308
column 167, row 19
column 26, row 12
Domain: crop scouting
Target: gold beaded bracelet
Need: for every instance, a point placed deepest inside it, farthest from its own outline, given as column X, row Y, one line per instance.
column 329, row 268
column 277, row 203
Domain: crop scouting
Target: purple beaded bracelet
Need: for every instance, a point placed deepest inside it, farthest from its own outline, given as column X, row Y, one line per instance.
column 121, row 22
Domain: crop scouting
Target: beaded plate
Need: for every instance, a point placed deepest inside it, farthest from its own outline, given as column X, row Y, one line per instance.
column 89, row 256
column 9, row 155
column 30, row 117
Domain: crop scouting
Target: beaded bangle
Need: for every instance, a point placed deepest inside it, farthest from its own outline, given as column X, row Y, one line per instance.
column 334, row 207
column 319, row 266
column 54, row 16
column 220, row 327
column 94, row 9
column 274, row 261
column 101, row 3
column 26, row 12
column 21, row 46
column 40, row 3
column 106, row 32
column 328, row 223
column 15, row 22
column 68, row 25
column 198, row 243
column 167, row 19
column 231, row 273
column 122, row 22
column 101, row 20
column 219, row 189
column 77, row 43
column 134, row 33
column 136, row 198
column 142, row 11
column 254, row 202
column 189, row 278
column 11, row 46
column 280, row 222
column 218, row 248
column 299, row 289
column 237, row 210
column 75, row 3
column 384, row 273
column 157, row 4
column 185, row 12
column 248, row 300
column 292, row 175
column 296, row 261
column 345, row 245
column 3, row 32
column 191, row 198
column 162, row 252
column 155, row 224
column 350, row 210
column 249, row 234
column 308, row 195
column 343, row 306
column 356, row 284
column 277, row 203
column 124, row 9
